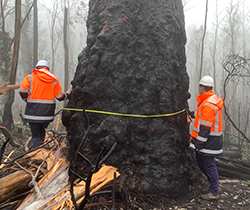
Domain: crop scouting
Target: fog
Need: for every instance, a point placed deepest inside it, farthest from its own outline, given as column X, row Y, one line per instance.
column 227, row 33
column 225, row 57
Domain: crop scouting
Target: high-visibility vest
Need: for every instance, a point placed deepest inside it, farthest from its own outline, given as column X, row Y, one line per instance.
column 41, row 88
column 207, row 128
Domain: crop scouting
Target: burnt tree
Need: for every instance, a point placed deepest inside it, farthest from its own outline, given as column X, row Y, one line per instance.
column 134, row 63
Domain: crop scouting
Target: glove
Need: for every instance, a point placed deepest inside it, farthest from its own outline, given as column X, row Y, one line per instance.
column 191, row 113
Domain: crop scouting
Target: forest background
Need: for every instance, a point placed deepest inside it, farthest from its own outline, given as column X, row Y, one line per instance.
column 218, row 44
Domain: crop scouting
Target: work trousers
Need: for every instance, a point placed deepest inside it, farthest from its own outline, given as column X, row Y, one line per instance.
column 38, row 133
column 208, row 167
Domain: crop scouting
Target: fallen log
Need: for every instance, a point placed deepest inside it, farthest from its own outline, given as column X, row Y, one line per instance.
column 232, row 154
column 233, row 169
column 50, row 185
column 13, row 183
column 55, row 188
column 53, row 184
column 19, row 180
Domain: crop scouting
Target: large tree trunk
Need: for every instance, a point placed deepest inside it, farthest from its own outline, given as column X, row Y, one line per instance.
column 134, row 63
column 7, row 114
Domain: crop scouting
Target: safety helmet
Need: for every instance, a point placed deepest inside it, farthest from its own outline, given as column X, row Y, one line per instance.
column 42, row 63
column 207, row 81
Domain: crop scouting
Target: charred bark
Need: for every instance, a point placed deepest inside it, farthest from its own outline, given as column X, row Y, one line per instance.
column 134, row 63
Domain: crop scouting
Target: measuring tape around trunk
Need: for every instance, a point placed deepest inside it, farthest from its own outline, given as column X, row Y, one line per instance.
column 120, row 114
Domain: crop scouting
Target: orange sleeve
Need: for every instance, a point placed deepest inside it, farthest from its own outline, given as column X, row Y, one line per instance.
column 25, row 85
column 59, row 94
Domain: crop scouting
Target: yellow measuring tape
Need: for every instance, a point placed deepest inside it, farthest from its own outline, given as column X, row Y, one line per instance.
column 120, row 114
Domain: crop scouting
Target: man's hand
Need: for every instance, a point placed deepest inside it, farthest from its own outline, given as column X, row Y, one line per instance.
column 68, row 93
column 69, row 90
column 191, row 113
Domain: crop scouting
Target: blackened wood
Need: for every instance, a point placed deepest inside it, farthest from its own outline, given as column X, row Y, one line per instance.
column 134, row 63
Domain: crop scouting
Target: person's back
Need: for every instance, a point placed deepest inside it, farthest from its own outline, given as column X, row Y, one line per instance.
column 40, row 89
column 43, row 85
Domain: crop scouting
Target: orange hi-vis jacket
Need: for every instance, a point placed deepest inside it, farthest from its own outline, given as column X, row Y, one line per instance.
column 207, row 128
column 39, row 89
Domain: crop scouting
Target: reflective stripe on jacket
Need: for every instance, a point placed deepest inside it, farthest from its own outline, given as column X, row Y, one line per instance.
column 207, row 129
column 39, row 89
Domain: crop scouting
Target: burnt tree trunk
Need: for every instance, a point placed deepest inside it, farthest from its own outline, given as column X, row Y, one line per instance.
column 134, row 63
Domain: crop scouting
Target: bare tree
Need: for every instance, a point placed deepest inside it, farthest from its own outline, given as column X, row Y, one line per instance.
column 193, row 48
column 35, row 42
column 237, row 69
column 7, row 115
column 55, row 32
column 203, row 39
column 213, row 50
column 26, row 49
column 6, row 10
column 66, row 45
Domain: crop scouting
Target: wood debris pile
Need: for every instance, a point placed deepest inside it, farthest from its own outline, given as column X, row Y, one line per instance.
column 39, row 180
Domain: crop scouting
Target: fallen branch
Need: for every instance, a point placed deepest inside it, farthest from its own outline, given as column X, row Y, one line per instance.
column 51, row 185
column 55, row 188
column 33, row 182
column 2, row 149
column 94, row 169
column 6, row 87
column 231, row 181
column 8, row 135
column 6, row 158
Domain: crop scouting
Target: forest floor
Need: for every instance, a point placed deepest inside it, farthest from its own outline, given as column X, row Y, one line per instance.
column 234, row 194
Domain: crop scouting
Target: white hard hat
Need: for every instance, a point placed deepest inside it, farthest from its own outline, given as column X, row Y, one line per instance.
column 207, row 81
column 42, row 63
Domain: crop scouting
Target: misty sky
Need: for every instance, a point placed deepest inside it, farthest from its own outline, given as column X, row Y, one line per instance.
column 195, row 9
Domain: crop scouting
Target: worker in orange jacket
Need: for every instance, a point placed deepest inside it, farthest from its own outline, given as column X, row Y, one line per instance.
column 40, row 89
column 207, row 134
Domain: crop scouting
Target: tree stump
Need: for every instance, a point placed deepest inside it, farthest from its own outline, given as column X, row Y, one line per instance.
column 134, row 63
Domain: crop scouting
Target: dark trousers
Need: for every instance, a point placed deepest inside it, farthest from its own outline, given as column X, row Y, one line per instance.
column 38, row 133
column 208, row 167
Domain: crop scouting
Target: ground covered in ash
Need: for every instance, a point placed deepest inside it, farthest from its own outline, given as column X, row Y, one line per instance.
column 234, row 194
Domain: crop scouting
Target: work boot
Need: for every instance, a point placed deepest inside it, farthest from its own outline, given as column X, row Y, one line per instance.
column 209, row 196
